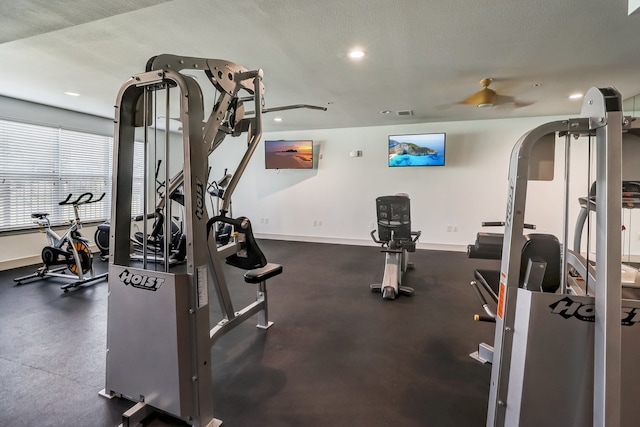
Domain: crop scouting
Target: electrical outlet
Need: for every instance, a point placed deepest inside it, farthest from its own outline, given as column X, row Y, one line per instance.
column 455, row 228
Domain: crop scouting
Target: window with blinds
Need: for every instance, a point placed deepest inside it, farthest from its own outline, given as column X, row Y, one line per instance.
column 40, row 166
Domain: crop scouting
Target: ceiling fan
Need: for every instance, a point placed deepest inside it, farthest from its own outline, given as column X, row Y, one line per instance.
column 487, row 97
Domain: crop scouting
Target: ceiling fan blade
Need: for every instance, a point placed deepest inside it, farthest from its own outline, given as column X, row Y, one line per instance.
column 519, row 104
column 503, row 99
column 482, row 97
column 510, row 103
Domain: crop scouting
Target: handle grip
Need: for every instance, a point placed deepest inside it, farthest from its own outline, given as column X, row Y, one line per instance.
column 501, row 224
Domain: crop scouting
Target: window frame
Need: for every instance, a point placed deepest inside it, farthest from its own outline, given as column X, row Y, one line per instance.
column 42, row 164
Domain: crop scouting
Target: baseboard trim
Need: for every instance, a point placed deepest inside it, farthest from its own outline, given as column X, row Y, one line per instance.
column 355, row 242
column 31, row 260
column 19, row 262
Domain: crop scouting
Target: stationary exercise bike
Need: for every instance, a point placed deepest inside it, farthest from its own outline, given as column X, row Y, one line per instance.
column 71, row 250
column 397, row 240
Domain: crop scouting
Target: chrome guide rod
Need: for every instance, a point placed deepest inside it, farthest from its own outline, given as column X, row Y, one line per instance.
column 145, row 191
column 565, row 213
column 168, row 220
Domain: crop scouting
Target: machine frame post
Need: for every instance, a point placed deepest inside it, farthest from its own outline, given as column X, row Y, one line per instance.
column 525, row 319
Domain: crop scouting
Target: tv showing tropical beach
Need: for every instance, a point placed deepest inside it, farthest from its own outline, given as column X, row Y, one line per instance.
column 426, row 149
column 288, row 154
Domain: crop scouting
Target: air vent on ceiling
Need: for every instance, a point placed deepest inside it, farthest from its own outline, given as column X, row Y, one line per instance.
column 404, row 113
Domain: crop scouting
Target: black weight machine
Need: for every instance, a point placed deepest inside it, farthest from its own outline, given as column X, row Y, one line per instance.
column 216, row 190
column 489, row 246
column 397, row 240
column 155, row 239
column 540, row 270
column 70, row 251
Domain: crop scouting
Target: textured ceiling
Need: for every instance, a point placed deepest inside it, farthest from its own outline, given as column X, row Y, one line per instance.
column 423, row 56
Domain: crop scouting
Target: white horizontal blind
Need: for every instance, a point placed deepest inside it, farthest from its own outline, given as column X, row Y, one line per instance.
column 137, row 193
column 84, row 168
column 40, row 166
column 29, row 166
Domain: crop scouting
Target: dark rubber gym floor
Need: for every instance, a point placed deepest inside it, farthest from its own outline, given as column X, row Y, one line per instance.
column 337, row 355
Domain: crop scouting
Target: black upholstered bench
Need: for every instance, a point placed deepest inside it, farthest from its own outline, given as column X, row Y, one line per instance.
column 258, row 275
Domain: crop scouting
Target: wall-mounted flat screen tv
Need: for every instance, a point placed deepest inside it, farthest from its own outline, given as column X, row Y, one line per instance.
column 288, row 154
column 425, row 149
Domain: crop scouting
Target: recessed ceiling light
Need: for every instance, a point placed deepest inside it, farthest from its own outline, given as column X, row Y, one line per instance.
column 72, row 93
column 575, row 96
column 357, row 54
column 385, row 112
column 277, row 119
column 536, row 85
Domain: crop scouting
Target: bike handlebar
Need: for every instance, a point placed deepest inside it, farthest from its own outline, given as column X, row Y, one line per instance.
column 83, row 199
column 501, row 224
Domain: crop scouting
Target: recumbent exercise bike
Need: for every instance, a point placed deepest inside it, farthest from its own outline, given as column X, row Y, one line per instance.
column 397, row 240
column 71, row 250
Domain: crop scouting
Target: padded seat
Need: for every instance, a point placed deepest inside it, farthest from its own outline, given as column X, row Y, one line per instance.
column 39, row 215
column 542, row 249
column 261, row 274
column 486, row 246
column 394, row 218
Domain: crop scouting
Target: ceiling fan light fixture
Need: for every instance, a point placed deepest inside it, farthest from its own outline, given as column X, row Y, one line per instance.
column 483, row 98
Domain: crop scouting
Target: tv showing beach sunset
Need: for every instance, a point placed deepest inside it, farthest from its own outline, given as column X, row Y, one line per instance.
column 291, row 154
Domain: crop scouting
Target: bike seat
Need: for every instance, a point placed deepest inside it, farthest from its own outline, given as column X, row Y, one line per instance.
column 39, row 215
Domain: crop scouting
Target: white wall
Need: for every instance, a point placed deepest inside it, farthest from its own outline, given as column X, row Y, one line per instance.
column 341, row 192
column 29, row 112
